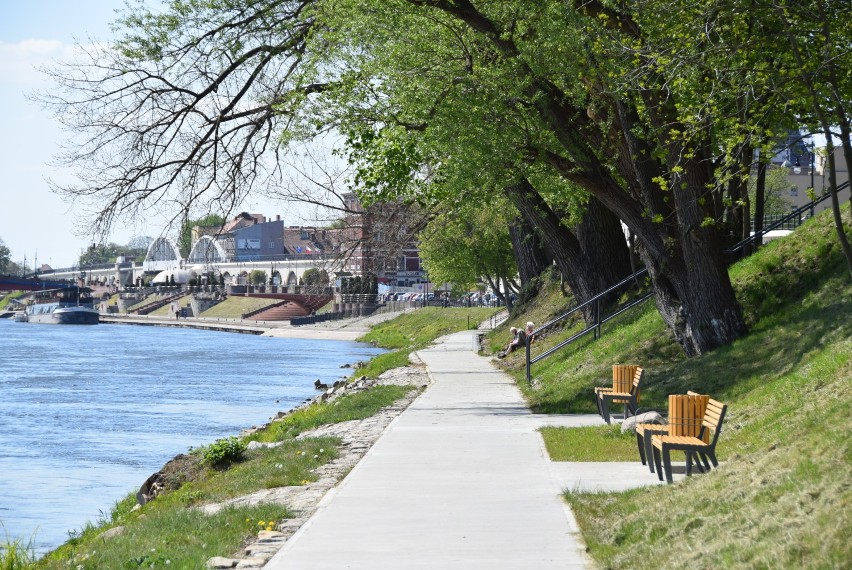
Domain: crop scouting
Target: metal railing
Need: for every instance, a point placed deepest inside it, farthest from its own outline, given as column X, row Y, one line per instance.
column 595, row 302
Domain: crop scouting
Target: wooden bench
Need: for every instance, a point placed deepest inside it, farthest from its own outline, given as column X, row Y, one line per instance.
column 622, row 376
column 696, row 447
column 630, row 399
column 685, row 415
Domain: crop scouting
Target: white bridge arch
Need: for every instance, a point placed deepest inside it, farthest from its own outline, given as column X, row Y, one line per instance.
column 206, row 251
column 162, row 255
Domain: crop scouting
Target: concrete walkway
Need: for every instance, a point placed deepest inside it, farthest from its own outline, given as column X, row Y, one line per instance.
column 458, row 480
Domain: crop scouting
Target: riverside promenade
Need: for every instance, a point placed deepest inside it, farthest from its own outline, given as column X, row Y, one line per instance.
column 459, row 480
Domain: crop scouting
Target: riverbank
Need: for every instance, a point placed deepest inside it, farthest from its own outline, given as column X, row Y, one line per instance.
column 343, row 329
column 188, row 538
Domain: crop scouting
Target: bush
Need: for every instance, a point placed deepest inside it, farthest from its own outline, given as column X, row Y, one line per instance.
column 223, row 452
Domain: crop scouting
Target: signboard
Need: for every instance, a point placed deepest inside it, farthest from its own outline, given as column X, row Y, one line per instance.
column 248, row 244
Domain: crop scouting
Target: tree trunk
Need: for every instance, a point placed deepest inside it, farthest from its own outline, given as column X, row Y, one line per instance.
column 530, row 254
column 759, row 201
column 588, row 267
column 694, row 292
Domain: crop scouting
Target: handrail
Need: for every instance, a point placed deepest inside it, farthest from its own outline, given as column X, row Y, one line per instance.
column 631, row 277
column 596, row 326
column 797, row 212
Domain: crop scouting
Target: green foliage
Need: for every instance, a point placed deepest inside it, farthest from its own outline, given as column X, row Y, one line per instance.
column 776, row 192
column 166, row 538
column 315, row 279
column 257, row 277
column 359, row 285
column 107, row 253
column 185, row 239
column 465, row 244
column 419, row 328
column 223, row 452
column 5, row 257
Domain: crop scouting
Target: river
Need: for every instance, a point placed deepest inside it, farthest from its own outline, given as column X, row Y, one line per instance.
column 87, row 413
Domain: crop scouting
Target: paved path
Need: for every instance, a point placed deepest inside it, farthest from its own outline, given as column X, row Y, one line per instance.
column 459, row 480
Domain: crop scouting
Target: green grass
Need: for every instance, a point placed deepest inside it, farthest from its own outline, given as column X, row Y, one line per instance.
column 6, row 304
column 166, row 310
column 415, row 330
column 286, row 465
column 235, row 306
column 168, row 528
column 165, row 538
column 592, row 443
column 781, row 497
column 355, row 406
column 15, row 555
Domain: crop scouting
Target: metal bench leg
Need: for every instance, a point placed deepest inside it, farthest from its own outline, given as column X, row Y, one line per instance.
column 649, row 449
column 605, row 408
column 657, row 463
column 712, row 455
column 667, row 464
column 640, row 443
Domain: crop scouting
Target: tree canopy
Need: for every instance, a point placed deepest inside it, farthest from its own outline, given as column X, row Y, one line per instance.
column 586, row 114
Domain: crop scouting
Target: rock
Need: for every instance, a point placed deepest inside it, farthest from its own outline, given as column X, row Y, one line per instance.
column 270, row 536
column 252, row 562
column 629, row 425
column 319, row 385
column 346, row 365
column 222, row 562
column 111, row 532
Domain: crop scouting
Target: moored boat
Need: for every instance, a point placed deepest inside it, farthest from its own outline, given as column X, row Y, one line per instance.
column 66, row 306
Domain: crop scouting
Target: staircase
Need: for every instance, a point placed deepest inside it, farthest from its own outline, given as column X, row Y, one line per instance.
column 283, row 311
column 155, row 304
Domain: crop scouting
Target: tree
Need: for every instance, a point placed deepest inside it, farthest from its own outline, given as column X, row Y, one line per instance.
column 185, row 240
column 468, row 244
column 818, row 40
column 5, row 257
column 314, row 280
column 651, row 109
column 777, row 188
column 257, row 277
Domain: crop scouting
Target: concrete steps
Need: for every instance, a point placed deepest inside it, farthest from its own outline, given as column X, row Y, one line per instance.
column 281, row 312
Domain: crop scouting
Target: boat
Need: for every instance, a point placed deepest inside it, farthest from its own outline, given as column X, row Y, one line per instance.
column 20, row 316
column 65, row 306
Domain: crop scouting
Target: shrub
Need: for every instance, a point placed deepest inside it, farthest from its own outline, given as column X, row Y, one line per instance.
column 225, row 451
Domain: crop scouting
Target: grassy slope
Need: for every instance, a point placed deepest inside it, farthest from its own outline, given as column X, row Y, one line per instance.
column 781, row 498
column 235, row 306
column 415, row 330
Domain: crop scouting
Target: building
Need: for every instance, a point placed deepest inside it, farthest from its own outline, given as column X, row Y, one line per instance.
column 809, row 169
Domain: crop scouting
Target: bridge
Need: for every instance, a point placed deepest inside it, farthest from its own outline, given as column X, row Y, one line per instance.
column 13, row 283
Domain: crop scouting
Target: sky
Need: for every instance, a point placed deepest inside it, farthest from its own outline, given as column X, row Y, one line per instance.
column 35, row 222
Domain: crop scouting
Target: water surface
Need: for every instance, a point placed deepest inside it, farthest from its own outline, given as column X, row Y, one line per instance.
column 87, row 413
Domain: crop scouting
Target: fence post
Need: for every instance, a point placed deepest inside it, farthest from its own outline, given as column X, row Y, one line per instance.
column 529, row 366
column 597, row 320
